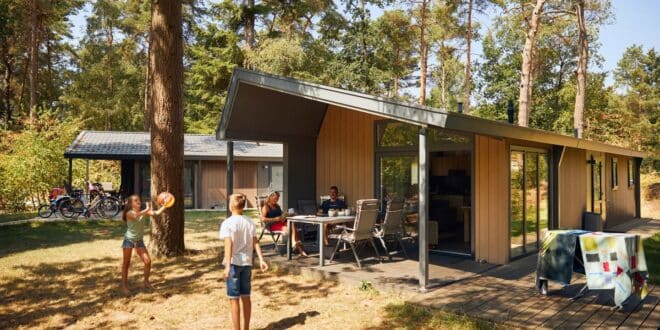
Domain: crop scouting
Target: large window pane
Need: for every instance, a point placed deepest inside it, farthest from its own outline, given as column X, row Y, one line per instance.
column 598, row 186
column 517, row 204
column 397, row 134
column 531, row 200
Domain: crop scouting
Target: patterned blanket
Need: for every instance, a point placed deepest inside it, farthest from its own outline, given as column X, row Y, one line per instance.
column 615, row 261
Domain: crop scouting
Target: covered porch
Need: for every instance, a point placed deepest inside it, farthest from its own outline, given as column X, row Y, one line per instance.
column 371, row 149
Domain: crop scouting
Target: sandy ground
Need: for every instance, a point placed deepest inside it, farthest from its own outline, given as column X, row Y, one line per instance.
column 76, row 286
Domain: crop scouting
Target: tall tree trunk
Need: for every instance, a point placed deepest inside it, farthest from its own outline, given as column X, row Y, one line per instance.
column 468, row 61
column 395, row 86
column 146, row 121
column 34, row 58
column 423, row 53
column 583, row 58
column 525, row 96
column 110, row 42
column 249, row 24
column 167, row 125
column 6, row 97
column 49, row 64
column 443, row 85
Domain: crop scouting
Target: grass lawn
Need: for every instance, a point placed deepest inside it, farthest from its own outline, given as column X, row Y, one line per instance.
column 652, row 253
column 55, row 275
column 17, row 216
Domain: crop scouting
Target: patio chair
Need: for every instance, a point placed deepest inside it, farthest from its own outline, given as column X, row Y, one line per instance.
column 327, row 197
column 265, row 226
column 392, row 227
column 362, row 230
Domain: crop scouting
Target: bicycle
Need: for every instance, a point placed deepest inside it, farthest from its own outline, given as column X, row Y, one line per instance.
column 46, row 210
column 101, row 204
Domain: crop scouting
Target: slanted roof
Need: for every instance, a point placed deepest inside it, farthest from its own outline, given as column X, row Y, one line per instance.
column 137, row 145
column 266, row 107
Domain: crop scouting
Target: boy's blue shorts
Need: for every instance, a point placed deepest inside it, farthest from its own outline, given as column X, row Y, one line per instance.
column 239, row 282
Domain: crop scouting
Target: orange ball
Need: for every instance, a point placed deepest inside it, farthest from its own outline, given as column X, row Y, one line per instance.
column 165, row 198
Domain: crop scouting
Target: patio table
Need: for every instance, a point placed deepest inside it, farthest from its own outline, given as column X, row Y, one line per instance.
column 315, row 220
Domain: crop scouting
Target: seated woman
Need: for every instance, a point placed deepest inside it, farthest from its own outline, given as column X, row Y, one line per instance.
column 271, row 213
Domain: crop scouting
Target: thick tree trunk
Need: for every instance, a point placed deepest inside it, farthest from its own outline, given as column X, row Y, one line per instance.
column 423, row 53
column 468, row 61
column 167, row 125
column 583, row 58
column 34, row 58
column 146, row 121
column 525, row 96
column 249, row 25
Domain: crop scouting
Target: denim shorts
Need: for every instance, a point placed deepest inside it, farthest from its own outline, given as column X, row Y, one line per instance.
column 129, row 244
column 239, row 282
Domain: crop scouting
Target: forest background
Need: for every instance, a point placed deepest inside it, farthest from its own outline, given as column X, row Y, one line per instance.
column 543, row 56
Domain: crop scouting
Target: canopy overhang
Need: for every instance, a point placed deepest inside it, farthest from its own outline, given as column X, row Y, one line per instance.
column 264, row 107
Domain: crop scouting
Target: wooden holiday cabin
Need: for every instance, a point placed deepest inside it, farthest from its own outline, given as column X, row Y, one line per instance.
column 476, row 187
column 257, row 168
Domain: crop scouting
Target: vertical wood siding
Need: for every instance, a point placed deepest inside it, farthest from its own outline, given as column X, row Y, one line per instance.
column 572, row 188
column 345, row 154
column 620, row 201
column 491, row 200
column 214, row 182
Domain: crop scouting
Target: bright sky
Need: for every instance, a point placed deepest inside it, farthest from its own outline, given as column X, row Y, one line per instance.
column 635, row 22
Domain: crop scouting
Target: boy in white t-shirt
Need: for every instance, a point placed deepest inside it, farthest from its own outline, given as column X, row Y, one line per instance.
column 240, row 238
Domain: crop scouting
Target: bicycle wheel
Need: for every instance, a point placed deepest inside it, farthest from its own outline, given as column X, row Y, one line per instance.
column 72, row 207
column 45, row 211
column 110, row 207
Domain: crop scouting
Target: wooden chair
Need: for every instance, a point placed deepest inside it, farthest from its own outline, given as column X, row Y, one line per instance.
column 265, row 226
column 362, row 230
column 392, row 227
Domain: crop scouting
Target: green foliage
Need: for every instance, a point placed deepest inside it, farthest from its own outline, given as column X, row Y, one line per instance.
column 32, row 162
column 213, row 56
column 652, row 253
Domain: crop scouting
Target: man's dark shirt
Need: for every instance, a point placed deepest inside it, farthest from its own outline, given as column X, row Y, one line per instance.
column 329, row 204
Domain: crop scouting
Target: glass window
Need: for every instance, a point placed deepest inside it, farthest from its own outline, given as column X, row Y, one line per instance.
column 397, row 134
column 530, row 211
column 393, row 134
column 531, row 200
column 517, row 203
column 615, row 173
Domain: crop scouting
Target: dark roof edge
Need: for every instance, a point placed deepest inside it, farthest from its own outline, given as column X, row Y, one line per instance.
column 147, row 157
column 416, row 114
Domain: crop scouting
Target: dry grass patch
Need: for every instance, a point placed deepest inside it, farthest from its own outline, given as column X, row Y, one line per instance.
column 57, row 275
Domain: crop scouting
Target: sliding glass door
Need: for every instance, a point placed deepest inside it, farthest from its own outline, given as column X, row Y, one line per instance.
column 529, row 177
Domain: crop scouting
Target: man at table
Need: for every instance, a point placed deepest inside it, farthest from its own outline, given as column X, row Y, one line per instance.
column 333, row 203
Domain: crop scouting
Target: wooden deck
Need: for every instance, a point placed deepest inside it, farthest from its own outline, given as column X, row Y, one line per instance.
column 507, row 295
column 502, row 294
